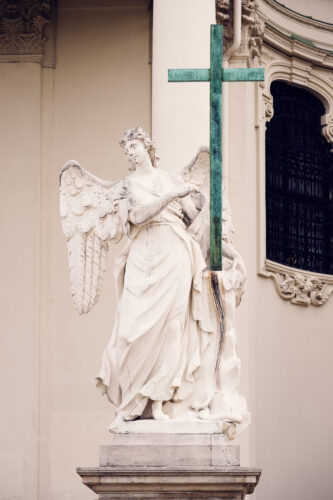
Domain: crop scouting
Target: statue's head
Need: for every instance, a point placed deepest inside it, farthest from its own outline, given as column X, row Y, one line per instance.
column 138, row 134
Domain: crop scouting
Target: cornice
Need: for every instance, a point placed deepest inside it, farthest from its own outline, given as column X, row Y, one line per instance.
column 298, row 17
column 293, row 45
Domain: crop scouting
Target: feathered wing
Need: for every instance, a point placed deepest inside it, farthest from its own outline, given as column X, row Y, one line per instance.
column 198, row 172
column 92, row 213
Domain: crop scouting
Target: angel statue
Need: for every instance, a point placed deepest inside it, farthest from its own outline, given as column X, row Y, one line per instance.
column 171, row 354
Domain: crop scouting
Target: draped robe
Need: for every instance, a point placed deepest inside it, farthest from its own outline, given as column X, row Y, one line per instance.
column 163, row 320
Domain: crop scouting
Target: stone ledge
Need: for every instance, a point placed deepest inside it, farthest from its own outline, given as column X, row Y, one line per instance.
column 176, row 483
column 149, row 426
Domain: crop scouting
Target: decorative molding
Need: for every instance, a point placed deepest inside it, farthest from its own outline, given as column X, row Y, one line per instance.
column 224, row 16
column 252, row 29
column 27, row 31
column 290, row 46
column 327, row 128
column 222, row 11
column 304, row 74
column 300, row 287
column 297, row 17
column 268, row 106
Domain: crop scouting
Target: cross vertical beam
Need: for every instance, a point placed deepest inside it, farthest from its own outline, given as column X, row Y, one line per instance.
column 216, row 39
column 215, row 75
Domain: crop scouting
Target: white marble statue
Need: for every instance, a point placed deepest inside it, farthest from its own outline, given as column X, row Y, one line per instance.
column 169, row 356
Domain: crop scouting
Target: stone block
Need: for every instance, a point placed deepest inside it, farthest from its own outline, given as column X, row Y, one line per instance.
column 173, row 466
column 169, row 450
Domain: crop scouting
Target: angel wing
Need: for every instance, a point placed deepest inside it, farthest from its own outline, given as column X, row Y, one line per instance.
column 93, row 212
column 198, row 172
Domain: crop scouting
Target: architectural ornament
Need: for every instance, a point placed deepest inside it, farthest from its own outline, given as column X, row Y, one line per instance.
column 27, row 31
column 252, row 29
column 297, row 17
column 300, row 287
column 327, row 128
column 222, row 11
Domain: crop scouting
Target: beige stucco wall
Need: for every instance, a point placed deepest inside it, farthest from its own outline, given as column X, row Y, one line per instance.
column 285, row 349
column 53, row 419
column 20, row 206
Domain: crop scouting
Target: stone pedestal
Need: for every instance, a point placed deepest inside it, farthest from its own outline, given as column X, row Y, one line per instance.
column 170, row 466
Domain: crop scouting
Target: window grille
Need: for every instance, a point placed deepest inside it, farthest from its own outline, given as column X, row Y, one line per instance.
column 299, row 182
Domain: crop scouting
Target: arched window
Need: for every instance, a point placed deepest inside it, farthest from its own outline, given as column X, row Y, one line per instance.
column 299, row 182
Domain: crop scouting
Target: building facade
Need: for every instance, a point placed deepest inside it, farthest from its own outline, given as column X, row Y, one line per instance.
column 75, row 75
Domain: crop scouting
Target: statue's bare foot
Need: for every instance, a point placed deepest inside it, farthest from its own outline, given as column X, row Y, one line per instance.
column 113, row 427
column 129, row 418
column 157, row 411
column 201, row 405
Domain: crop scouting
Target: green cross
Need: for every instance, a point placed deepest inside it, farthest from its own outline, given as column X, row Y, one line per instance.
column 215, row 75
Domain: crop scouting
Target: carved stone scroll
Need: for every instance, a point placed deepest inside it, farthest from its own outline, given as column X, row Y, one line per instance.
column 300, row 287
column 27, row 31
column 327, row 129
column 224, row 15
column 268, row 106
column 254, row 29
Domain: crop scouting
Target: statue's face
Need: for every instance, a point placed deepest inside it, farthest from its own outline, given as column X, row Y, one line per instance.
column 136, row 152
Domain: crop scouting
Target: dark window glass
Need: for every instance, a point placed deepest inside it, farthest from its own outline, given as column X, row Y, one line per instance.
column 299, row 182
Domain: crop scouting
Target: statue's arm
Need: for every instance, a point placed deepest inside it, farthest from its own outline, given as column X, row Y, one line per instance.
column 232, row 254
column 191, row 205
column 140, row 214
column 189, row 208
column 228, row 251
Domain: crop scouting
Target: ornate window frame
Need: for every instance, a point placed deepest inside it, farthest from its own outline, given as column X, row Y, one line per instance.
column 275, row 37
column 291, row 60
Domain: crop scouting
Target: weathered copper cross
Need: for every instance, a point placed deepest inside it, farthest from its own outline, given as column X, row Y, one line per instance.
column 215, row 75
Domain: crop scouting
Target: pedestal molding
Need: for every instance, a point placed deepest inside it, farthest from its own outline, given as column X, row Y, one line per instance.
column 172, row 483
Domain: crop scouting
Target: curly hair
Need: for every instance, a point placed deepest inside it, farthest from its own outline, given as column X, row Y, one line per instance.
column 139, row 134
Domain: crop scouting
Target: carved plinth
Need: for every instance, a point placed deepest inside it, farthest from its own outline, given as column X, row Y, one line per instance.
column 213, row 483
column 170, row 466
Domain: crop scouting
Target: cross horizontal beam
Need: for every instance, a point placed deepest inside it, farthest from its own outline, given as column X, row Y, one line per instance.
column 228, row 75
column 215, row 75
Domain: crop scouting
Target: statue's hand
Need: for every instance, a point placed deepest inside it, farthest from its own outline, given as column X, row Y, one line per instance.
column 184, row 190
column 238, row 264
